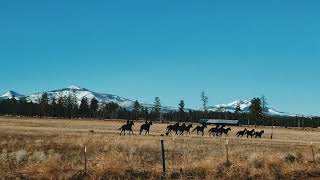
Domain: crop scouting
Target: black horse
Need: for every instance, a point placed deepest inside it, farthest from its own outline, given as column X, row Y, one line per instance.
column 180, row 129
column 258, row 134
column 174, row 127
column 214, row 131
column 127, row 127
column 200, row 129
column 224, row 131
column 250, row 133
column 241, row 133
column 146, row 127
column 186, row 129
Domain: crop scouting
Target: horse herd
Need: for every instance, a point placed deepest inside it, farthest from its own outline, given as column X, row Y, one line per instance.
column 180, row 130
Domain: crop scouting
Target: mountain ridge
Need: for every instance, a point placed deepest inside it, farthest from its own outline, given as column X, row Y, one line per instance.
column 80, row 93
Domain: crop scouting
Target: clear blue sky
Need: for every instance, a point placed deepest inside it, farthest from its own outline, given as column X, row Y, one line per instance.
column 171, row 49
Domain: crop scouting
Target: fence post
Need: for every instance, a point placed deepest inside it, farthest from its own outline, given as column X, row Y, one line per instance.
column 314, row 160
column 163, row 159
column 227, row 152
column 85, row 160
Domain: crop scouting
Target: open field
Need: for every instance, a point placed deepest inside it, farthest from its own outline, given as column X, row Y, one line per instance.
column 47, row 148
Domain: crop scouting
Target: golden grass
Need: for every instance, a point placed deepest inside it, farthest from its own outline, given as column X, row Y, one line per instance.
column 53, row 148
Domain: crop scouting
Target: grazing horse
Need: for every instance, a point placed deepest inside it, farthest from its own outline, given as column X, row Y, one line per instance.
column 258, row 134
column 146, row 127
column 185, row 128
column 174, row 127
column 250, row 133
column 224, row 131
column 127, row 127
column 241, row 133
column 200, row 129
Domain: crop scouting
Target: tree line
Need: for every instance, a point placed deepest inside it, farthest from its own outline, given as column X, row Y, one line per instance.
column 69, row 107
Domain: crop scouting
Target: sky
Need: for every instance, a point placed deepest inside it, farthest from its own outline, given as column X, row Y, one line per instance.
column 173, row 49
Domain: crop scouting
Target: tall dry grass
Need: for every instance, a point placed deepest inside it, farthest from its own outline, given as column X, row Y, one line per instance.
column 54, row 149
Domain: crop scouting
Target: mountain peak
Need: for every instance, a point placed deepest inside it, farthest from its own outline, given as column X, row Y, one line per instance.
column 73, row 87
column 11, row 94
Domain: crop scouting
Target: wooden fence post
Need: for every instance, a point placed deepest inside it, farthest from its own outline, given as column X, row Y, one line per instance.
column 85, row 160
column 314, row 159
column 227, row 152
column 164, row 173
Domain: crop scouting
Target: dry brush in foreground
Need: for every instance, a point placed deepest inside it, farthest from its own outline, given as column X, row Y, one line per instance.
column 46, row 149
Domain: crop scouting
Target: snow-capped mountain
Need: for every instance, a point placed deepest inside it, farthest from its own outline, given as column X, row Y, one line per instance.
column 10, row 95
column 80, row 93
column 244, row 106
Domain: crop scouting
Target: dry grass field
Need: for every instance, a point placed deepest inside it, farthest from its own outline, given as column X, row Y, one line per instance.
column 54, row 149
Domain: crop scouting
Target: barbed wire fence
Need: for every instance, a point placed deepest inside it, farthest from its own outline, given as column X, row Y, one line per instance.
column 86, row 167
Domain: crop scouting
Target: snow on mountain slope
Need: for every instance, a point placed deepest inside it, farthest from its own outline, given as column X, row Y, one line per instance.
column 244, row 106
column 10, row 95
column 80, row 93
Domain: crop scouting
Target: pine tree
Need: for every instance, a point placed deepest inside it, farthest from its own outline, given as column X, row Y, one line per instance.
column 94, row 107
column 256, row 109
column 181, row 106
column 136, row 108
column 145, row 113
column 23, row 106
column 181, row 112
column 13, row 104
column 61, row 107
column 264, row 104
column 204, row 100
column 112, row 109
column 238, row 108
column 157, row 109
column 72, row 106
column 44, row 104
column 84, row 108
column 53, row 107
